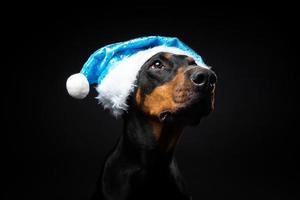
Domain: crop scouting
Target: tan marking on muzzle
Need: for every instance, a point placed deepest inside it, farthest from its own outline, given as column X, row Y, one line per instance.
column 161, row 98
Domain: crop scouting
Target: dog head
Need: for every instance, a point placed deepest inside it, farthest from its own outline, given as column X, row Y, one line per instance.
column 174, row 89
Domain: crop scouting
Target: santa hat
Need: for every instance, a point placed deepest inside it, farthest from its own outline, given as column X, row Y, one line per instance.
column 114, row 69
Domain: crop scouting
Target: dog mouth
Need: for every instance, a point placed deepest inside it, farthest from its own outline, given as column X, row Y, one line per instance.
column 184, row 94
column 192, row 110
column 166, row 116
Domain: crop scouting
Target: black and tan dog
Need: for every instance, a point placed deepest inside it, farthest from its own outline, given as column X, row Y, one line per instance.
column 172, row 92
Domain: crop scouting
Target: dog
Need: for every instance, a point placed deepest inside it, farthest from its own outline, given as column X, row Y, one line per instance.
column 171, row 92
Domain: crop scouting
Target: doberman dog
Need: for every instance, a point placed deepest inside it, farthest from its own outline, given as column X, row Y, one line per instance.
column 171, row 92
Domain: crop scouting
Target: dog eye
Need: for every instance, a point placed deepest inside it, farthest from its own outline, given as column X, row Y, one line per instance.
column 192, row 62
column 156, row 65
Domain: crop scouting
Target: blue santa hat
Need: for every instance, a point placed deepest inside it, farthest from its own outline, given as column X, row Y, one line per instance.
column 114, row 69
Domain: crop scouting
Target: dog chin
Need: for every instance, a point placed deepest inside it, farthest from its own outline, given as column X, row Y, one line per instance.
column 192, row 112
column 189, row 113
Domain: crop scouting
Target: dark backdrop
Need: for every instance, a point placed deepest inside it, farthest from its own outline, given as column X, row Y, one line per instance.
column 55, row 145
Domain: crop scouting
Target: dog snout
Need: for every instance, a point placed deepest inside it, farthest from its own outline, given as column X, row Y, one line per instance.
column 203, row 78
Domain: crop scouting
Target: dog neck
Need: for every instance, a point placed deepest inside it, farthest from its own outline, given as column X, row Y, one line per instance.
column 149, row 140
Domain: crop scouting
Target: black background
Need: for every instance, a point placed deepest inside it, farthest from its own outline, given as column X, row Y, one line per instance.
column 55, row 145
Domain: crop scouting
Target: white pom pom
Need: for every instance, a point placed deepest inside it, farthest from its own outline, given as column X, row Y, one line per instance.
column 78, row 86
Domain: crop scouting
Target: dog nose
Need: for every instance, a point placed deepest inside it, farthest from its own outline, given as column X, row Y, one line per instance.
column 202, row 77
